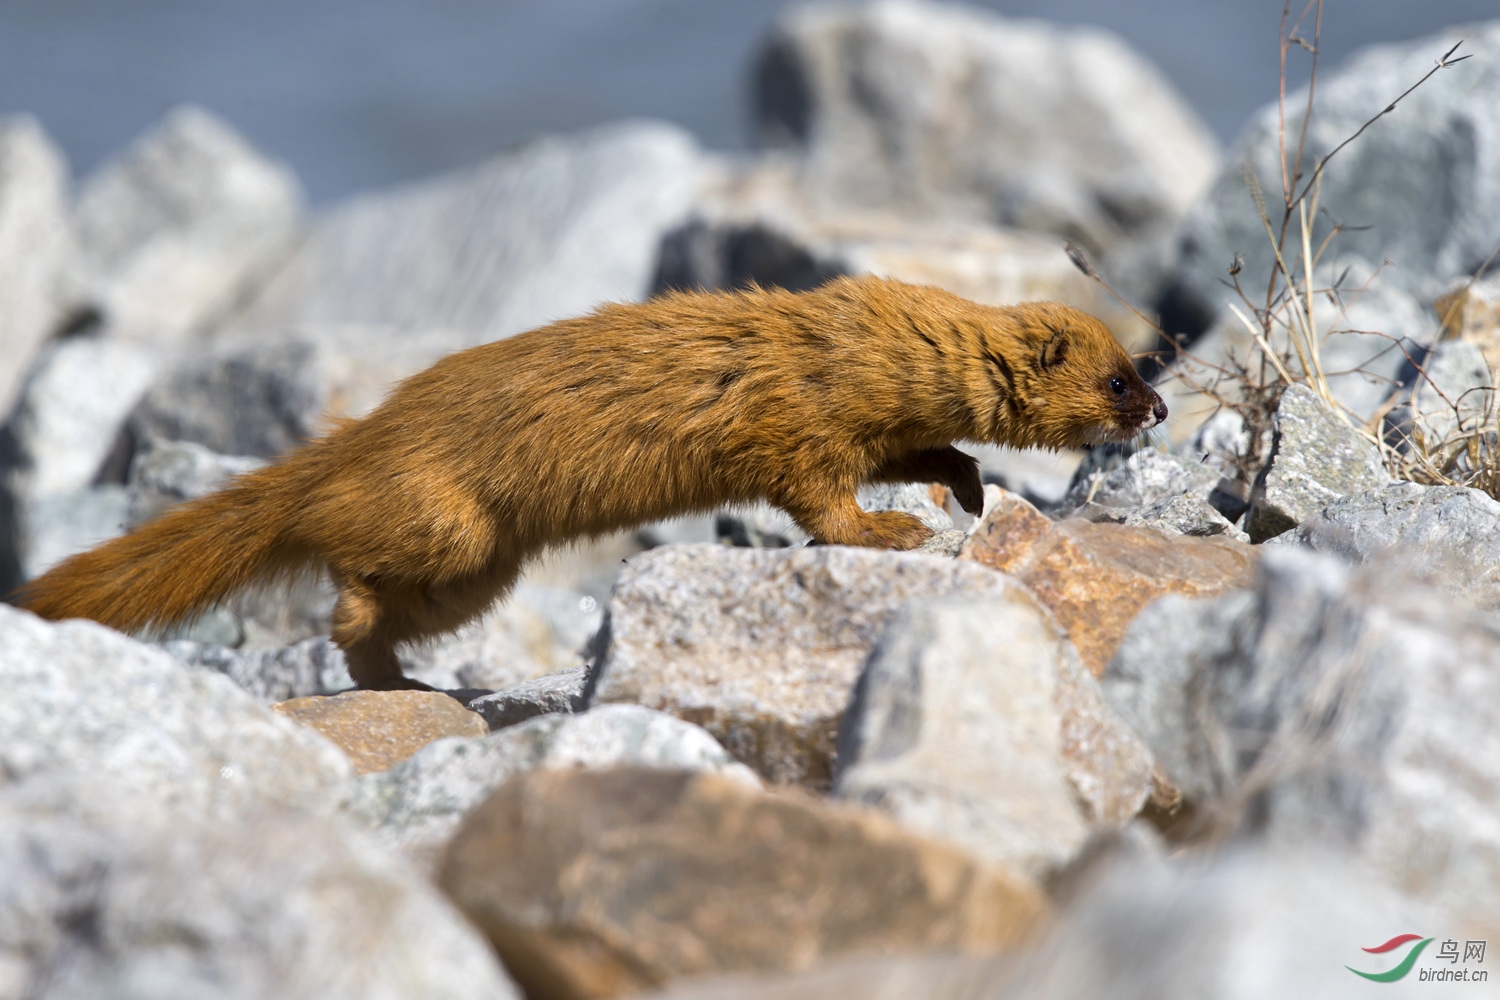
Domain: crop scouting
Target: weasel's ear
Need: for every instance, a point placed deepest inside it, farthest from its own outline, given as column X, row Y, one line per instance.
column 1055, row 350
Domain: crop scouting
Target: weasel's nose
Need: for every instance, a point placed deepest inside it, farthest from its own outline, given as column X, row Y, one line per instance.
column 1159, row 411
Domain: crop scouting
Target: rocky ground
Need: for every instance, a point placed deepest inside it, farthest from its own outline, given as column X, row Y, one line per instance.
column 1147, row 727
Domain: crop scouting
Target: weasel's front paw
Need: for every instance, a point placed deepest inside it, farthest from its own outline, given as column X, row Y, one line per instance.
column 893, row 529
column 969, row 492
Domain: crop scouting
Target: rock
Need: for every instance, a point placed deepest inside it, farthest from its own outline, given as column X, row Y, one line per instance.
column 935, row 976
column 68, row 523
column 81, row 699
column 1448, row 536
column 1316, row 458
column 34, row 247
column 974, row 721
column 1095, row 578
column 1184, row 515
column 107, row 896
column 415, row 806
column 377, row 729
column 1145, row 477
column 534, row 631
column 560, row 691
column 1470, row 313
column 1340, row 707
column 1223, row 928
column 761, row 647
column 915, row 105
column 169, row 472
column 913, row 498
column 550, row 230
column 598, row 883
column 310, row 667
column 174, row 230
column 1421, row 182
column 758, row 526
column 1452, row 398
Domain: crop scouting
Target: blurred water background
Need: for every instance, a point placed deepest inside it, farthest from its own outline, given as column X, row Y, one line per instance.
column 360, row 94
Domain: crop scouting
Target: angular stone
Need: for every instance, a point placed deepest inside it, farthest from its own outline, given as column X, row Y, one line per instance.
column 1145, row 477
column 1448, row 536
column 593, row 884
column 913, row 105
column 1184, row 515
column 761, row 647
column 1352, row 708
column 311, row 667
column 81, row 699
column 550, row 230
column 560, row 691
column 174, row 230
column 416, row 805
column 975, row 722
column 111, row 895
column 1453, row 396
column 377, row 729
column 1316, row 459
column 34, row 247
column 1095, row 578
column 1471, row 313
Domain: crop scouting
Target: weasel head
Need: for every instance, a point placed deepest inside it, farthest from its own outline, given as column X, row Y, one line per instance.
column 1074, row 384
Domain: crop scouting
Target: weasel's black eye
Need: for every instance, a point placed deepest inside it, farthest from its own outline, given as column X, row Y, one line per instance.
column 1117, row 386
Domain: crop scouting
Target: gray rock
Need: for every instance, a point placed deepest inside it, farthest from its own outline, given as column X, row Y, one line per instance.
column 1353, row 709
column 550, row 230
column 759, row 526
column 1231, row 928
column 178, row 227
column 417, row 804
column 168, row 472
column 762, row 646
column 34, row 247
column 915, row 105
column 108, row 897
column 310, row 667
column 1145, row 477
column 560, row 691
column 1448, row 536
column 81, row 699
column 974, row 721
column 65, row 524
column 1421, row 182
column 913, row 498
column 1317, row 458
column 1182, row 515
column 1455, row 392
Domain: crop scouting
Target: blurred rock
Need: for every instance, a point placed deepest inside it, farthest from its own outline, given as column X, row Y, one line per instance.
column 81, row 699
column 550, row 230
column 377, row 729
column 560, row 691
column 1448, row 536
column 179, row 226
column 168, row 472
column 973, row 721
column 34, row 247
column 64, row 524
column 762, row 647
column 1351, row 709
column 950, row 111
column 107, row 897
column 1471, row 313
column 416, row 805
column 593, row 884
column 913, row 498
column 1453, row 397
column 930, row 976
column 1419, row 184
column 1145, row 477
column 1095, row 578
column 532, row 632
column 1316, row 458
column 310, row 667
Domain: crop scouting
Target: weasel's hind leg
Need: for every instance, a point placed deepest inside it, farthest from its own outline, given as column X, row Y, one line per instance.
column 371, row 619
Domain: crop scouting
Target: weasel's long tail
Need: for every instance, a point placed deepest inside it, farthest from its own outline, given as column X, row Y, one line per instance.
column 191, row 558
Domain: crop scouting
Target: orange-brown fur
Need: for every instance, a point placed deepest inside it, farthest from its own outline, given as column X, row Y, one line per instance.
column 425, row 511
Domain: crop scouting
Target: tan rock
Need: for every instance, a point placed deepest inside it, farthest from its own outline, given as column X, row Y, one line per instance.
column 1471, row 313
column 596, row 883
column 762, row 647
column 380, row 728
column 1095, row 578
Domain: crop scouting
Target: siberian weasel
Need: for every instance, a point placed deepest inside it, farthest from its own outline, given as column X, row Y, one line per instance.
column 425, row 511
